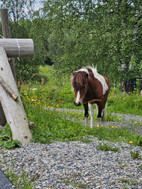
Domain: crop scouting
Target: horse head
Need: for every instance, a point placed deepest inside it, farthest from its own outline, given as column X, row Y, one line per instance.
column 80, row 86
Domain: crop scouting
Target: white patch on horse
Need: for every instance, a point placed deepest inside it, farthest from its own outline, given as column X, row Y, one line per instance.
column 77, row 100
column 83, row 70
column 100, row 78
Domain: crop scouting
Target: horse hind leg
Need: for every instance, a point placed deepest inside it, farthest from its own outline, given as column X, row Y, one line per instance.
column 101, row 113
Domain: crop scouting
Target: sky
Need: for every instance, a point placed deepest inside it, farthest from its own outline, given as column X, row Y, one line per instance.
column 37, row 4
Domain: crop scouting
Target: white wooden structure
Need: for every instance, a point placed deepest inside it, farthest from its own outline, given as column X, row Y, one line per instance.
column 18, row 47
column 9, row 96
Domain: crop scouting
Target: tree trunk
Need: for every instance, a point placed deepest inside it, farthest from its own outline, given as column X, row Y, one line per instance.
column 5, row 23
column 14, row 111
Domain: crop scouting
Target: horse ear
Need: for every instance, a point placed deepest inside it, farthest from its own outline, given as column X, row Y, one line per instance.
column 73, row 73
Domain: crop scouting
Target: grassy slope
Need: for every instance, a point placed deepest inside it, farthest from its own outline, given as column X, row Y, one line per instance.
column 54, row 125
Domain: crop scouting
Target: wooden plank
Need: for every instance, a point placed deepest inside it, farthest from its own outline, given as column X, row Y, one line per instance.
column 8, row 89
column 14, row 111
column 18, row 47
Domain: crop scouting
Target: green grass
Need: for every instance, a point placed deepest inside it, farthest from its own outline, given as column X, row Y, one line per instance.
column 53, row 126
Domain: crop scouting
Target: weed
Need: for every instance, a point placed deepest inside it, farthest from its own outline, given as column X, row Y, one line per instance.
column 106, row 147
column 86, row 140
column 135, row 155
column 77, row 184
column 130, row 182
column 19, row 181
column 6, row 138
column 121, row 163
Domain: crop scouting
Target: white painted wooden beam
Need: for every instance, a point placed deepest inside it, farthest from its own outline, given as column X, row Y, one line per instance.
column 13, row 110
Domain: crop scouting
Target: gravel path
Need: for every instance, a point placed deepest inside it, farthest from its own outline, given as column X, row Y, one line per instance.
column 76, row 165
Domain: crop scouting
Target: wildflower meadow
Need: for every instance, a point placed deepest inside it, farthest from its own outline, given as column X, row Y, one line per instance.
column 43, row 102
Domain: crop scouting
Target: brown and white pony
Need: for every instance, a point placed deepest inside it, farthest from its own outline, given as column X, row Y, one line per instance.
column 90, row 87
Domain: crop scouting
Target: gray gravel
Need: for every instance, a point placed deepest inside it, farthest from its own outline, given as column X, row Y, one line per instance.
column 73, row 165
column 76, row 165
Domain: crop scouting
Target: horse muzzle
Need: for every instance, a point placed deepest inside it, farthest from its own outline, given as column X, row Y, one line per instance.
column 77, row 104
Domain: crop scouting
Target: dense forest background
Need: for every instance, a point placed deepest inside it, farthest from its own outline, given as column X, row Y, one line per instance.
column 72, row 34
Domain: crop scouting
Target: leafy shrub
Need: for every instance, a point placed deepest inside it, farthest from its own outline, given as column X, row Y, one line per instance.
column 6, row 138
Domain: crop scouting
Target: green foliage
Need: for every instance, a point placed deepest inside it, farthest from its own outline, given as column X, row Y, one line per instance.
column 6, row 138
column 94, row 33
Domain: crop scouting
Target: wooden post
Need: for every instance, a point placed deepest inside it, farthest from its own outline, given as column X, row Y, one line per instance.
column 6, row 34
column 5, row 23
column 14, row 111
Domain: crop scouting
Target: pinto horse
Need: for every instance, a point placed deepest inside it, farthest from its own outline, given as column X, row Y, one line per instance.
column 90, row 87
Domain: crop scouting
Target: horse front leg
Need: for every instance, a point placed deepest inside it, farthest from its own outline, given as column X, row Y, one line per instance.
column 91, row 114
column 86, row 113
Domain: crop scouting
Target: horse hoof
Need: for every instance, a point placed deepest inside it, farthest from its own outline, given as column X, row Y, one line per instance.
column 99, row 119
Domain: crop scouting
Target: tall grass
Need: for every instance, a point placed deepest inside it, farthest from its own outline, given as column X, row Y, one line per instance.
column 125, row 103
